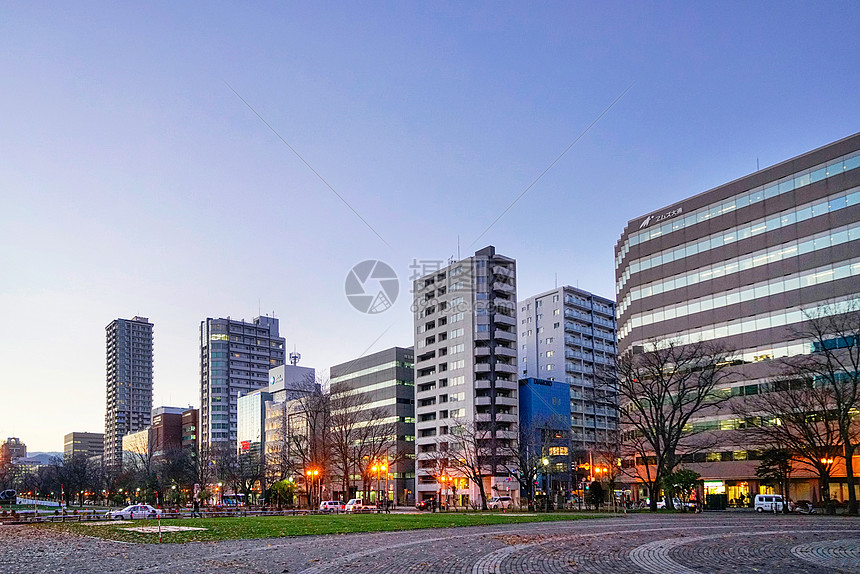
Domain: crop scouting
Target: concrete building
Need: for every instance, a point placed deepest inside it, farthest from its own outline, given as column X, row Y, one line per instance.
column 465, row 320
column 166, row 434
column 189, row 430
column 12, row 448
column 738, row 265
column 129, row 382
column 235, row 358
column 568, row 335
column 136, row 448
column 83, row 443
column 384, row 390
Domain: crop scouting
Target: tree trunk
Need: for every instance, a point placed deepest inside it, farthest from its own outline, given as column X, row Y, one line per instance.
column 849, row 473
column 652, row 497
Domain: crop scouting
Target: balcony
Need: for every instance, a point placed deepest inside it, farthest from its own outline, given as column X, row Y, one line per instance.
column 577, row 328
column 503, row 271
column 503, row 319
column 506, row 335
column 506, row 352
column 502, row 287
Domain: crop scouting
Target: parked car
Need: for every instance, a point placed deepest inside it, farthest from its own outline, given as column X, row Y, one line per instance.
column 500, row 502
column 357, row 505
column 426, row 504
column 134, row 511
column 768, row 503
column 332, row 506
column 676, row 503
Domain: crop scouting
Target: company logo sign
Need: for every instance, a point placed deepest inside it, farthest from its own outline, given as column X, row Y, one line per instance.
column 658, row 218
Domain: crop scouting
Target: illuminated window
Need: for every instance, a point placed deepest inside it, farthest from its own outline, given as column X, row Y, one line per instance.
column 558, row 451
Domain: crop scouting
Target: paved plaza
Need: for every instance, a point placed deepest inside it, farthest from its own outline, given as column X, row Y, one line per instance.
column 661, row 544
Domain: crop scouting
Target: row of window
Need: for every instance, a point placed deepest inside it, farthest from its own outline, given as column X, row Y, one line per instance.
column 758, row 323
column 374, row 369
column 822, row 171
column 759, row 290
column 789, row 217
column 794, row 248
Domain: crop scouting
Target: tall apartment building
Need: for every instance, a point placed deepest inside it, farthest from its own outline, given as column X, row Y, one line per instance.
column 465, row 320
column 85, row 443
column 384, row 386
column 129, row 382
column 738, row 265
column 568, row 335
column 235, row 357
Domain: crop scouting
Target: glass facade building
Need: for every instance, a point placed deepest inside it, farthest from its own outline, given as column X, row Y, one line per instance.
column 739, row 265
column 235, row 358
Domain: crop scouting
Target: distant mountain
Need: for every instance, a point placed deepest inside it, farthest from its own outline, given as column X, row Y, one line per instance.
column 44, row 457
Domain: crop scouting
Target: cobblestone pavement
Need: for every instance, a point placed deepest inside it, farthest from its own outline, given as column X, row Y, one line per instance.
column 662, row 544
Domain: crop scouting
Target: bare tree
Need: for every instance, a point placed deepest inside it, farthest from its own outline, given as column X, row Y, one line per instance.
column 796, row 414
column 660, row 390
column 834, row 366
column 309, row 438
column 477, row 453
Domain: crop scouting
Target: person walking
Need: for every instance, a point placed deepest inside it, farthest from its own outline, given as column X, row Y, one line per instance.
column 195, row 509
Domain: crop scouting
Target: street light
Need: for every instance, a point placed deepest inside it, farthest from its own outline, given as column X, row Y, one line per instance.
column 545, row 462
column 311, row 473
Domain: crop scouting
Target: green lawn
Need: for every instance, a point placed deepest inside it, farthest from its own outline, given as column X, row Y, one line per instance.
column 278, row 526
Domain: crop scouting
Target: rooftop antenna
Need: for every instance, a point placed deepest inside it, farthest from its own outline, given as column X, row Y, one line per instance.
column 295, row 357
column 458, row 247
column 756, row 164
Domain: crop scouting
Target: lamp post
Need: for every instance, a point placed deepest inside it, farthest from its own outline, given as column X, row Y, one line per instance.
column 545, row 462
column 311, row 473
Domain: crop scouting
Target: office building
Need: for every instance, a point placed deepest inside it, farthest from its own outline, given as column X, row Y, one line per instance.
column 568, row 335
column 235, row 358
column 166, row 433
column 129, row 382
column 12, row 449
column 137, row 449
column 87, row 444
column 737, row 266
column 189, row 430
column 465, row 320
column 286, row 383
column 382, row 391
column 547, row 440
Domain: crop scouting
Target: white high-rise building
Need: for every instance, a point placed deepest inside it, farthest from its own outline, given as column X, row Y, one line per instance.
column 465, row 319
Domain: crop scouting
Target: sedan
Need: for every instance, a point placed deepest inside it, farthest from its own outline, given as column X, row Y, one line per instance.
column 134, row 511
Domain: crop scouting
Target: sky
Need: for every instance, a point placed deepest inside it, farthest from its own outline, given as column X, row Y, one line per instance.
column 188, row 160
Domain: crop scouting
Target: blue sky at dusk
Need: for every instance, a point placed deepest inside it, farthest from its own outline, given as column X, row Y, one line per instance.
column 134, row 181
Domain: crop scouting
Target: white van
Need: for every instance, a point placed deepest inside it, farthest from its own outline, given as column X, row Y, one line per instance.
column 768, row 503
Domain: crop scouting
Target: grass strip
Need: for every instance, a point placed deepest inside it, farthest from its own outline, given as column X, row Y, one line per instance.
column 249, row 527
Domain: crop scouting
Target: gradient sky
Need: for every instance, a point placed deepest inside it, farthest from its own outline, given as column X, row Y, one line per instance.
column 135, row 182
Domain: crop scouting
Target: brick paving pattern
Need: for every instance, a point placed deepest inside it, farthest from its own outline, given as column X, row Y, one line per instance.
column 662, row 544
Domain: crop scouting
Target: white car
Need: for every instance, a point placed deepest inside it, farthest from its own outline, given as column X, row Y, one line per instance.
column 768, row 503
column 356, row 505
column 500, row 502
column 134, row 511
column 331, row 506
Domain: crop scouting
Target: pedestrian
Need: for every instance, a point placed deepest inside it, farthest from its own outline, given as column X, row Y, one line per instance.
column 195, row 509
